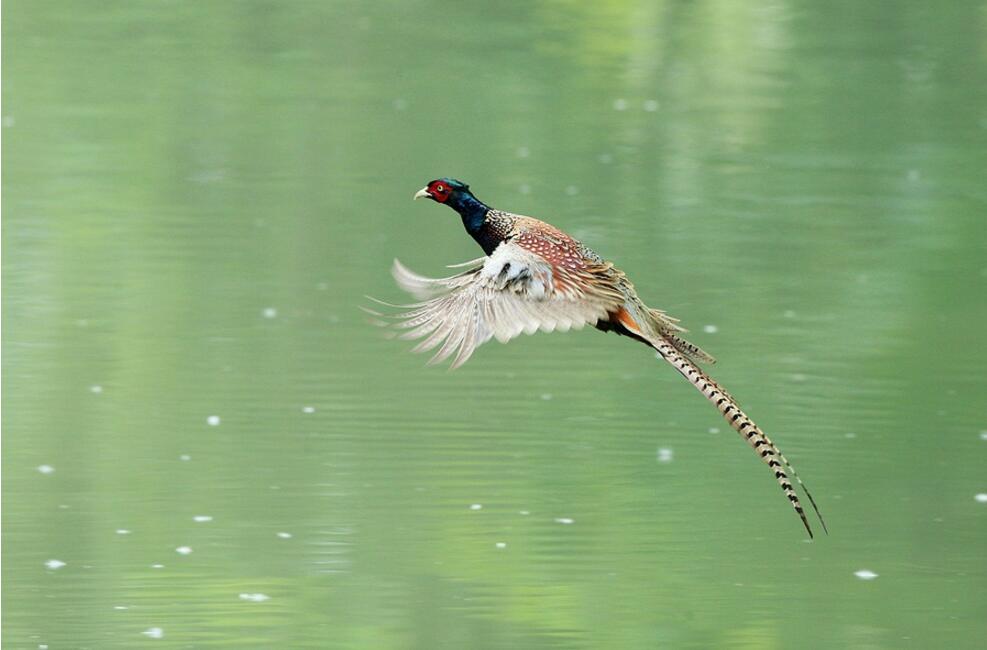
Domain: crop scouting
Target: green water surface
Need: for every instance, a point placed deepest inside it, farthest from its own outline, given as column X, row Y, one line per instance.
column 197, row 196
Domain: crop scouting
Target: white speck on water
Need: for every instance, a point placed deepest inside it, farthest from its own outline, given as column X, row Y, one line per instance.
column 501, row 544
column 120, row 607
column 850, row 435
column 572, row 190
column 564, row 520
column 711, row 329
column 284, row 535
column 8, row 121
column 308, row 409
column 606, row 158
column 42, row 646
column 523, row 152
column 46, row 469
column 96, row 389
column 620, row 104
column 981, row 498
column 153, row 632
column 524, row 188
column 122, row 531
column 183, row 550
column 798, row 376
column 400, row 104
column 983, row 435
column 476, row 506
column 524, row 512
column 213, row 420
column 255, row 598
column 714, row 429
column 54, row 564
column 63, row 506
column 184, row 457
column 201, row 518
column 651, row 105
column 865, row 574
column 157, row 566
column 914, row 175
column 665, row 455
column 270, row 312
column 546, row 396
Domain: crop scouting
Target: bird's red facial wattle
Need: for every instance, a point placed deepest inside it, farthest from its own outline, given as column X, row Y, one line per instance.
column 439, row 191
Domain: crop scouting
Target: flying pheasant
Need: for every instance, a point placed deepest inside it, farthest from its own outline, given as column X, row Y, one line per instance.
column 536, row 277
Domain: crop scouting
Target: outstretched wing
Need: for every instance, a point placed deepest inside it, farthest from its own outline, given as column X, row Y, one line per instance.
column 513, row 291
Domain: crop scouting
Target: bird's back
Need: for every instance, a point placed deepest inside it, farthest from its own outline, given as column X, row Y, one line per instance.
column 554, row 244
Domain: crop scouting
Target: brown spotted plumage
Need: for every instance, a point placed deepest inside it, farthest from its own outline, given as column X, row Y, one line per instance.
column 536, row 277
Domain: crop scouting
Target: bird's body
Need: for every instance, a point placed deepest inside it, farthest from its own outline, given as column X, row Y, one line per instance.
column 536, row 277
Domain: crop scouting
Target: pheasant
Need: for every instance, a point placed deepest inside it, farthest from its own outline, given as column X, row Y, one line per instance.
column 536, row 277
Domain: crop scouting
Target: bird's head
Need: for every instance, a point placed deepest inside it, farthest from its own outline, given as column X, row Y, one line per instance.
column 442, row 190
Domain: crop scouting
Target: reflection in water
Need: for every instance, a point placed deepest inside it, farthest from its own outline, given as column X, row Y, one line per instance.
column 198, row 197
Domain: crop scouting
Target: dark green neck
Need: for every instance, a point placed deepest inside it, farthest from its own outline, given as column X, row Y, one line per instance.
column 470, row 208
column 473, row 211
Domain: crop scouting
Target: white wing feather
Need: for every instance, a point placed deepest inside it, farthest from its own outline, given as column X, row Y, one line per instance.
column 513, row 291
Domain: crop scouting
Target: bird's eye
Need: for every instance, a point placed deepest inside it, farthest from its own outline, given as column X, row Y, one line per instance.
column 439, row 188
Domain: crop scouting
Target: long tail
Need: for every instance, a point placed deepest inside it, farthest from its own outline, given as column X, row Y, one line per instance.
column 742, row 424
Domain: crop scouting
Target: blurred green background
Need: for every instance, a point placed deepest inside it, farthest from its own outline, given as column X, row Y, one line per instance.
column 198, row 195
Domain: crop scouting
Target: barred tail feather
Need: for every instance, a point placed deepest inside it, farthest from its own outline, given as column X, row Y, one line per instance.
column 741, row 423
column 690, row 350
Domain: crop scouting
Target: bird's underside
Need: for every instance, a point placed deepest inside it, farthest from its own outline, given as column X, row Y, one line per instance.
column 539, row 278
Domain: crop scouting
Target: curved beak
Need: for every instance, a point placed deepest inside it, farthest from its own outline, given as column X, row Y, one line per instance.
column 422, row 194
